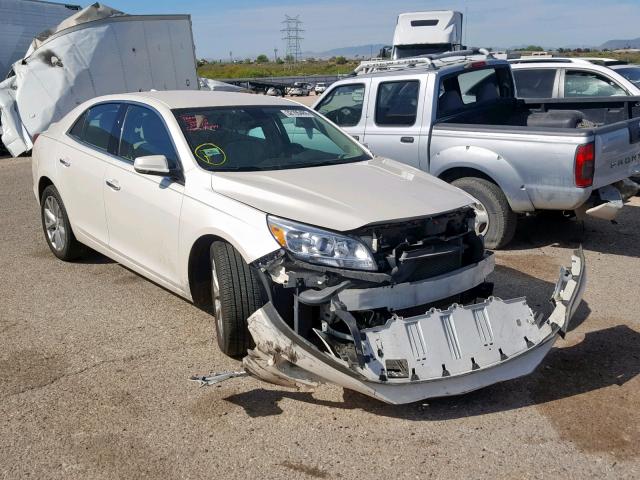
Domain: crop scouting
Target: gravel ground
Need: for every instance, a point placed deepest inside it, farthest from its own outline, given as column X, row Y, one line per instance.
column 95, row 361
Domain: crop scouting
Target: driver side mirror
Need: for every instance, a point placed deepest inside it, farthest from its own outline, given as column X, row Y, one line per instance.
column 152, row 165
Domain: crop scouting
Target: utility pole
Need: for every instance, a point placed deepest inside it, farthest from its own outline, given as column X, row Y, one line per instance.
column 230, row 57
column 292, row 35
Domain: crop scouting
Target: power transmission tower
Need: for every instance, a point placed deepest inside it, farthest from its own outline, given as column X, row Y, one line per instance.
column 292, row 35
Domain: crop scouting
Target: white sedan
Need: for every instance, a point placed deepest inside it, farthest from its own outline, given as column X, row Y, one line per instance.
column 318, row 260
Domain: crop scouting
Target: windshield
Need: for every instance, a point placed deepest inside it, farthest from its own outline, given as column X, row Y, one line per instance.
column 251, row 138
column 630, row 73
column 406, row 51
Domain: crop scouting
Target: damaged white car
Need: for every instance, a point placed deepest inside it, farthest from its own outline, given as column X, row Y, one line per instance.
column 320, row 262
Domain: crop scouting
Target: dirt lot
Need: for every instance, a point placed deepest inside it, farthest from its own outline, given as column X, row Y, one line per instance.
column 95, row 361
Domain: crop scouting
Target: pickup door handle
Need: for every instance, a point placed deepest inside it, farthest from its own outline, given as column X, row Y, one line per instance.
column 113, row 184
column 64, row 162
column 357, row 137
column 407, row 139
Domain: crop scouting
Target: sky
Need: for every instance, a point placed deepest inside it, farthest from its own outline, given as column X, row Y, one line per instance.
column 250, row 27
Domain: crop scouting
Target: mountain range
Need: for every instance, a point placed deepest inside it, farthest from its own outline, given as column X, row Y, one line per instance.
column 349, row 52
column 617, row 44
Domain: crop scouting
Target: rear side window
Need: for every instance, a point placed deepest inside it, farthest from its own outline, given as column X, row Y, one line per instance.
column 99, row 123
column 471, row 87
column 144, row 133
column 397, row 102
column 588, row 84
column 78, row 128
column 535, row 83
column 343, row 105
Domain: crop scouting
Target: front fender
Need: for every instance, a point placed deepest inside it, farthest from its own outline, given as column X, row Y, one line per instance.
column 242, row 226
column 490, row 164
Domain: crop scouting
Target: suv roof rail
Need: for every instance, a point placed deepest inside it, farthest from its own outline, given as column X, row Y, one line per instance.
column 548, row 60
column 427, row 60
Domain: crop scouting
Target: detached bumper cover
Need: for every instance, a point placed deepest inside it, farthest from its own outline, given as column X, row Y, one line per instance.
column 439, row 353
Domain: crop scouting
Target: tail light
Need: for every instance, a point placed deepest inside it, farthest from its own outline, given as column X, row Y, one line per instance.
column 35, row 137
column 584, row 166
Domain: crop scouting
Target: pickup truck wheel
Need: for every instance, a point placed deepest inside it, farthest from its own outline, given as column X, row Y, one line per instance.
column 56, row 226
column 495, row 220
column 236, row 293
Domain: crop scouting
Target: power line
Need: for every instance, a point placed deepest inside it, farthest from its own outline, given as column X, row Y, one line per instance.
column 292, row 35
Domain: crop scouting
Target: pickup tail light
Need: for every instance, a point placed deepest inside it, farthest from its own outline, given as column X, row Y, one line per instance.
column 584, row 165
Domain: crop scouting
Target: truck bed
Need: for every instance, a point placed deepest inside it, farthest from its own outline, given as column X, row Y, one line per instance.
column 550, row 114
column 539, row 140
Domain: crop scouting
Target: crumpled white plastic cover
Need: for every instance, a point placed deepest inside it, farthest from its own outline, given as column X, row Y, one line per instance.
column 116, row 54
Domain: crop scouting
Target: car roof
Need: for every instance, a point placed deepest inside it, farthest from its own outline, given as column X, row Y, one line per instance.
column 201, row 98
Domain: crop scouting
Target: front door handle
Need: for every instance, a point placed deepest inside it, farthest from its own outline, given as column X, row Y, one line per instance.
column 65, row 162
column 357, row 137
column 113, row 184
column 407, row 139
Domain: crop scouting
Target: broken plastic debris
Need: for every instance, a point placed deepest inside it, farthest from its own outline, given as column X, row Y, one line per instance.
column 215, row 378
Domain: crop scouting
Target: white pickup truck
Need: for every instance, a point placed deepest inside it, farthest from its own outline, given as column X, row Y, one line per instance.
column 456, row 116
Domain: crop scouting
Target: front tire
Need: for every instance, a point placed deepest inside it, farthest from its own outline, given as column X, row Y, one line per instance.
column 56, row 226
column 496, row 221
column 236, row 293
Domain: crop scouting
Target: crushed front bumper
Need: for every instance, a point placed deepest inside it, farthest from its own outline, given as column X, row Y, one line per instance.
column 611, row 199
column 439, row 353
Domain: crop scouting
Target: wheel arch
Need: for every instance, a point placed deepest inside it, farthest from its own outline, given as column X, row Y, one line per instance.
column 43, row 183
column 199, row 270
column 455, row 173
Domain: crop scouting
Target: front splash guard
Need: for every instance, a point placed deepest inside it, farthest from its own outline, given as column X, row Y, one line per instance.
column 439, row 353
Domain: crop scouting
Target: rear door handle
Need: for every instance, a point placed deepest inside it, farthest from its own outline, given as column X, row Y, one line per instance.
column 65, row 162
column 113, row 184
column 407, row 139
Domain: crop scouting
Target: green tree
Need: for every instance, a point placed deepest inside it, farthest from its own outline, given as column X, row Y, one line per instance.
column 279, row 61
column 262, row 58
column 341, row 60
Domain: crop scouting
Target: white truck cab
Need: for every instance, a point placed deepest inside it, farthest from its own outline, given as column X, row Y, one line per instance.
column 420, row 33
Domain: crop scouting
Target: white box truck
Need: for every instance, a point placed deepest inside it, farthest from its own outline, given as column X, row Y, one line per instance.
column 97, row 51
column 21, row 20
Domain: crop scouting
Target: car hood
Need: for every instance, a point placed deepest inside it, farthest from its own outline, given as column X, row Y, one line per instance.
column 343, row 197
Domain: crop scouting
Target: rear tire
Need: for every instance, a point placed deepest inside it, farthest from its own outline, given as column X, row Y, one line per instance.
column 502, row 220
column 56, row 226
column 236, row 293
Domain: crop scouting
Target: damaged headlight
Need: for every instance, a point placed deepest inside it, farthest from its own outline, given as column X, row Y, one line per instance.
column 320, row 246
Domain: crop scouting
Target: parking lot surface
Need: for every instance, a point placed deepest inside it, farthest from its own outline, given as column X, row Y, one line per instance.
column 95, row 361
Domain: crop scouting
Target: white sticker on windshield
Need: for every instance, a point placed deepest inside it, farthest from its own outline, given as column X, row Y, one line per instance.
column 297, row 113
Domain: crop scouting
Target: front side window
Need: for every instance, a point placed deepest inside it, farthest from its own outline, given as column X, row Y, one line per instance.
column 588, row 84
column 98, row 125
column 343, row 105
column 255, row 138
column 535, row 83
column 144, row 133
column 397, row 102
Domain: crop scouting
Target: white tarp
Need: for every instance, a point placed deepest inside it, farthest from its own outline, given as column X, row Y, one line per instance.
column 110, row 53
